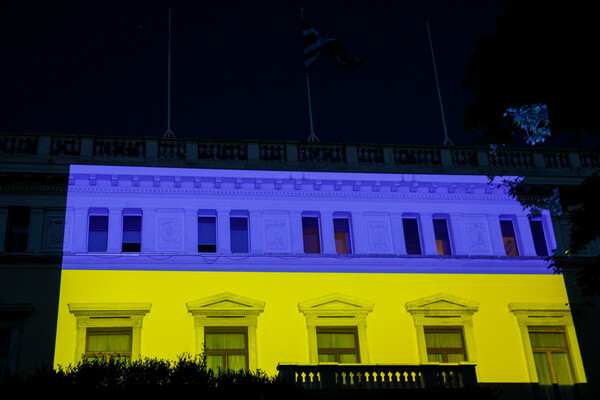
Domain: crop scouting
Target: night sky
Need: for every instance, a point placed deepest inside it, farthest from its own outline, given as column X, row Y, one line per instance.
column 100, row 68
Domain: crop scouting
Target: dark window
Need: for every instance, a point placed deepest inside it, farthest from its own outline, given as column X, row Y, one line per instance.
column 341, row 228
column 411, row 235
column 338, row 344
column 442, row 239
column 226, row 348
column 539, row 239
column 508, row 236
column 98, row 233
column 239, row 234
column 18, row 228
column 310, row 233
column 4, row 349
column 132, row 233
column 207, row 234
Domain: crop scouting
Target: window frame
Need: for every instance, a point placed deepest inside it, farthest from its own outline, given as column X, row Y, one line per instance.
column 97, row 212
column 542, row 222
column 446, row 219
column 108, row 316
column 445, row 350
column 12, row 218
column 348, row 237
column 339, row 350
column 239, row 215
column 548, row 315
column 419, row 239
column 317, row 216
column 131, row 212
column 107, row 354
column 516, row 232
column 226, row 352
column 207, row 214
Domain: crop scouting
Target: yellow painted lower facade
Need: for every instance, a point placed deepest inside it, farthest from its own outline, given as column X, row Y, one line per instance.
column 496, row 343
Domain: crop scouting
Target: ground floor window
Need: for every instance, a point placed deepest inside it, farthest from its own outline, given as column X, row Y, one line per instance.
column 108, row 343
column 445, row 344
column 226, row 347
column 338, row 344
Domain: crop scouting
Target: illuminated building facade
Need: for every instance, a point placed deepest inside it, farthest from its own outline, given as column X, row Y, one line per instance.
column 360, row 271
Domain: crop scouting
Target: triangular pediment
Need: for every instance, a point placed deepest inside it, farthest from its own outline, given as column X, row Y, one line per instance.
column 225, row 302
column 335, row 302
column 442, row 302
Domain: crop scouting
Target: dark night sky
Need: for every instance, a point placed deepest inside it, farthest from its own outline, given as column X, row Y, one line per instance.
column 84, row 67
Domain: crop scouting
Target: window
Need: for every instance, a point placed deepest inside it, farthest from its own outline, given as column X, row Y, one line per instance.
column 442, row 238
column 226, row 324
column 4, row 348
column 108, row 343
column 341, row 231
column 338, row 344
column 18, row 228
column 132, row 231
column 444, row 326
column 539, row 239
column 109, row 330
column 509, row 238
column 207, row 234
column 238, row 228
column 98, row 230
column 310, row 234
column 337, row 328
column 551, row 355
column 226, row 347
column 445, row 344
column 411, row 235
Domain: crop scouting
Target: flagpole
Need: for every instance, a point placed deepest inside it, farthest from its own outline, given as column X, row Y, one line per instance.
column 447, row 141
column 169, row 132
column 312, row 137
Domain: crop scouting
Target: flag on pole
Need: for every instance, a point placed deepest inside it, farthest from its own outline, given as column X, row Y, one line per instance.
column 314, row 44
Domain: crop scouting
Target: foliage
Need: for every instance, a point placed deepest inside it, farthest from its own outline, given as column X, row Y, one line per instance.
column 188, row 375
column 533, row 120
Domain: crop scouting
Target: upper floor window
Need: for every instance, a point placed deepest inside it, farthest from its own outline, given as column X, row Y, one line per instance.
column 539, row 238
column 442, row 238
column 445, row 344
column 509, row 238
column 226, row 347
column 18, row 228
column 238, row 228
column 411, row 235
column 338, row 344
column 207, row 232
column 551, row 355
column 341, row 230
column 132, row 231
column 107, row 343
column 310, row 234
column 98, row 230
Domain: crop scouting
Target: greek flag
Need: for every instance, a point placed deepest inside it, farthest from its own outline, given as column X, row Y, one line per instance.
column 314, row 44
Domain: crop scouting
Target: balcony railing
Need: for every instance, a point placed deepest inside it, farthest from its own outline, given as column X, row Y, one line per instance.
column 174, row 152
column 379, row 377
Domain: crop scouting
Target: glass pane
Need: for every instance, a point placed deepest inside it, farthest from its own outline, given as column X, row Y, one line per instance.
column 435, row 357
column 508, row 236
column 548, row 339
column 455, row 357
column 542, row 367
column 132, row 223
column 236, row 361
column 310, row 233
column 207, row 234
column 562, row 368
column 411, row 236
column 239, row 235
column 109, row 342
column 326, row 357
column 341, row 242
column 443, row 340
column 442, row 238
column 214, row 361
column 132, row 236
column 97, row 240
column 347, row 358
column 333, row 340
column 222, row 341
column 98, row 222
column 539, row 239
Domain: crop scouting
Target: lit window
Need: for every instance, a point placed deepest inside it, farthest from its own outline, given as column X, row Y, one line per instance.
column 411, row 235
column 239, row 234
column 509, row 238
column 226, row 348
column 108, row 343
column 341, row 229
column 551, row 355
column 442, row 238
column 132, row 231
column 310, row 233
column 445, row 344
column 207, row 234
column 18, row 228
column 539, row 239
column 338, row 344
column 98, row 231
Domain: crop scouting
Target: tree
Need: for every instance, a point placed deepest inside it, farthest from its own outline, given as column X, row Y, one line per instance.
column 539, row 75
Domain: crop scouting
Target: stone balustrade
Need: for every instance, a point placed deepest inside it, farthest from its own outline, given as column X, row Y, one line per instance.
column 56, row 149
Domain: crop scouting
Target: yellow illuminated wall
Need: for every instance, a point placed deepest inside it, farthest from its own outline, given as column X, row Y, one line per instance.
column 168, row 328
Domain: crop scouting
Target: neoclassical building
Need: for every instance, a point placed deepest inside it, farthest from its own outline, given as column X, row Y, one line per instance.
column 333, row 265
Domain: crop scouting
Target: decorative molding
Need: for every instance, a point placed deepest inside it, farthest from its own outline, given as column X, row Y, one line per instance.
column 108, row 309
column 226, row 304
